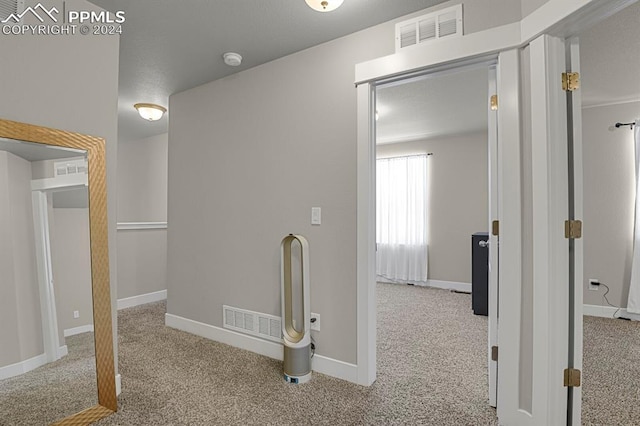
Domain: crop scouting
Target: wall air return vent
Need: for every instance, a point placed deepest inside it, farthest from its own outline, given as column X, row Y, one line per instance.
column 70, row 167
column 10, row 7
column 254, row 323
column 445, row 23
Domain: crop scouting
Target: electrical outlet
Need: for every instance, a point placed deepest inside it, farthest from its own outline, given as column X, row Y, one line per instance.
column 315, row 325
column 594, row 284
column 76, row 314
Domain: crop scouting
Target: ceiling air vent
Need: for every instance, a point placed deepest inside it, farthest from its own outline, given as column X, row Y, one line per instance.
column 9, row 7
column 443, row 23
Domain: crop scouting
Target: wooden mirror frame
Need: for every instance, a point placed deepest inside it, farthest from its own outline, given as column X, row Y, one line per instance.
column 98, row 230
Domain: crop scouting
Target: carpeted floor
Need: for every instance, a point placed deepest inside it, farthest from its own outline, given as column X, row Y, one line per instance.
column 431, row 371
column 611, row 372
column 53, row 391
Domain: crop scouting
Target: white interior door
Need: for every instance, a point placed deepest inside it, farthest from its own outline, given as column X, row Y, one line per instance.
column 536, row 318
column 576, row 265
column 493, row 242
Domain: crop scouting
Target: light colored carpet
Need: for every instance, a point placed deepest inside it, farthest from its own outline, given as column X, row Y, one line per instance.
column 53, row 391
column 611, row 372
column 431, row 371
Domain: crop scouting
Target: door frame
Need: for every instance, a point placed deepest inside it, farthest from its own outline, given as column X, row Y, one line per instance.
column 40, row 188
column 561, row 18
column 494, row 246
column 490, row 64
column 575, row 114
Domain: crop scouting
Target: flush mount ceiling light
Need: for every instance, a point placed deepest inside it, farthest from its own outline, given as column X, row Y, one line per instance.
column 232, row 59
column 150, row 112
column 324, row 5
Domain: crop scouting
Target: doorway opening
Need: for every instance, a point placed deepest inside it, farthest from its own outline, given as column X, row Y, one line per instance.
column 610, row 94
column 436, row 181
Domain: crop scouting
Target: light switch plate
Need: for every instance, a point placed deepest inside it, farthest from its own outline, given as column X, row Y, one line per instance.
column 316, row 215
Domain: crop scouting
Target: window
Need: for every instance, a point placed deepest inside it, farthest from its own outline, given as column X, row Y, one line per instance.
column 401, row 218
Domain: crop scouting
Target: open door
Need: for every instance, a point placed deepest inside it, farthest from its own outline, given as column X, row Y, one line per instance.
column 576, row 264
column 540, row 257
column 493, row 237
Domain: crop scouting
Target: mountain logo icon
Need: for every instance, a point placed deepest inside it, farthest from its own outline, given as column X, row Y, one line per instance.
column 38, row 11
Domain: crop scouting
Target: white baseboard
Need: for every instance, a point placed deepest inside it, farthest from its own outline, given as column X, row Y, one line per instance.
column 598, row 311
column 321, row 364
column 138, row 226
column 446, row 285
column 118, row 384
column 63, row 351
column 335, row 368
column 22, row 366
column 129, row 302
column 78, row 330
column 450, row 285
column 608, row 312
column 626, row 314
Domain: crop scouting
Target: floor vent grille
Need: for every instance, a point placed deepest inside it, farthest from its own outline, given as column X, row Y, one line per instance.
column 254, row 323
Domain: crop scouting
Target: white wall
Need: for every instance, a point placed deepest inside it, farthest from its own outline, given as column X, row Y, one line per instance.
column 71, row 263
column 458, row 199
column 529, row 6
column 142, row 179
column 249, row 155
column 52, row 80
column 609, row 184
column 484, row 14
column 142, row 197
column 21, row 330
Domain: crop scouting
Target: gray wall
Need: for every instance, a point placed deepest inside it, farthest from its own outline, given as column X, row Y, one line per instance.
column 609, row 183
column 71, row 263
column 142, row 197
column 142, row 179
column 529, row 6
column 21, row 330
column 458, row 199
column 49, row 81
column 484, row 14
column 249, row 155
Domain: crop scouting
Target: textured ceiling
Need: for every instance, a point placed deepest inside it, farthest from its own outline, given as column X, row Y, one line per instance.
column 429, row 107
column 610, row 59
column 35, row 151
column 168, row 46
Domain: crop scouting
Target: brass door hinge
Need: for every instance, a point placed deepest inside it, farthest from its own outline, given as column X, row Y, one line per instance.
column 571, row 377
column 495, row 228
column 570, row 81
column 494, row 353
column 573, row 229
column 494, row 103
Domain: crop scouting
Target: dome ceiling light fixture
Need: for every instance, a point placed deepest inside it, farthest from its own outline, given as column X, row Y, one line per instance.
column 232, row 59
column 150, row 112
column 324, row 5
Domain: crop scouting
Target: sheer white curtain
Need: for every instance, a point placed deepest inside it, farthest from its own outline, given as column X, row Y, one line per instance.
column 401, row 219
column 633, row 305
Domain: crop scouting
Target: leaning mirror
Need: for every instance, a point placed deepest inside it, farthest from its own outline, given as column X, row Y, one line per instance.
column 56, row 362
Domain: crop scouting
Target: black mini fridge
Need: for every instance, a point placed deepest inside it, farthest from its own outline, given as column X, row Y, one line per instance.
column 480, row 273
